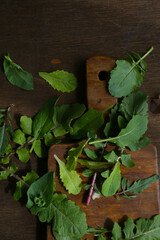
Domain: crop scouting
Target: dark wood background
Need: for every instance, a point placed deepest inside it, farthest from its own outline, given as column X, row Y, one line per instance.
column 35, row 32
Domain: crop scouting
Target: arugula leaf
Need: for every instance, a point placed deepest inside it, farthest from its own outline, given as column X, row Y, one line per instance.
column 16, row 75
column 60, row 80
column 19, row 137
column 91, row 121
column 134, row 104
column 112, row 183
column 126, row 77
column 26, row 124
column 43, row 121
column 65, row 114
column 73, row 155
column 40, row 193
column 140, row 185
column 23, row 154
column 21, row 188
column 87, row 173
column 4, row 174
column 68, row 221
column 146, row 229
column 70, row 179
column 116, row 232
column 49, row 139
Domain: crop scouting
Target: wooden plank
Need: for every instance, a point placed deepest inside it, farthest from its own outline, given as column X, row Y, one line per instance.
column 103, row 210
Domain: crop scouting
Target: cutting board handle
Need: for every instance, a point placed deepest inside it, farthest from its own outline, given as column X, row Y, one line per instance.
column 98, row 69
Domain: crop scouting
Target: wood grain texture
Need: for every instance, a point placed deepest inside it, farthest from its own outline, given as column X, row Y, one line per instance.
column 34, row 33
column 108, row 210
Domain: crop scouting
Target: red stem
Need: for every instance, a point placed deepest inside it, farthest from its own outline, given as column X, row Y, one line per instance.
column 91, row 189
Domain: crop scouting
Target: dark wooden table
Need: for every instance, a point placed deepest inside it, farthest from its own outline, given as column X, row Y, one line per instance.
column 35, row 32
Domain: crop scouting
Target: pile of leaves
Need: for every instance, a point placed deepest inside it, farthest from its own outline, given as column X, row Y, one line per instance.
column 124, row 130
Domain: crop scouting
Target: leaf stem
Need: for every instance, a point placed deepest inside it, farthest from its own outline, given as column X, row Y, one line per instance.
column 145, row 55
column 91, row 189
column 14, row 175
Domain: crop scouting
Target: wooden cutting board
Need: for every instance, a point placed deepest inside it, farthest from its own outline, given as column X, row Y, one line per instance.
column 105, row 211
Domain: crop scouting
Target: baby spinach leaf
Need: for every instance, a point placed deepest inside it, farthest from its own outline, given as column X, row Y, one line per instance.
column 43, row 121
column 91, row 121
column 126, row 160
column 16, row 75
column 21, row 188
column 26, row 124
column 23, row 154
column 112, row 183
column 60, row 80
column 73, row 155
column 65, row 114
column 71, row 179
column 40, row 193
column 111, row 129
column 39, row 148
column 125, row 77
column 134, row 104
column 91, row 154
column 128, row 228
column 111, row 157
column 19, row 137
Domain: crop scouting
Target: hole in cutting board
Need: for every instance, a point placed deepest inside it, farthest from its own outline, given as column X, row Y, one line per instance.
column 103, row 75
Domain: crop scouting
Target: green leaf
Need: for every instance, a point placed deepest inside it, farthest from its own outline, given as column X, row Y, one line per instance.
column 122, row 123
column 101, row 237
column 111, row 157
column 142, row 143
column 93, row 164
column 3, row 140
column 43, row 121
column 145, row 229
column 87, row 173
column 73, row 155
column 134, row 130
column 19, row 137
column 68, row 221
column 64, row 116
column 22, row 188
column 40, row 149
column 111, row 128
column 91, row 154
column 16, row 75
column 134, row 104
column 71, row 179
column 23, row 155
column 60, row 80
column 129, row 228
column 5, row 174
column 40, row 193
column 49, row 139
column 26, row 124
column 126, row 160
column 140, row 185
column 116, row 232
column 91, row 121
column 126, row 77
column 105, row 174
column 112, row 183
